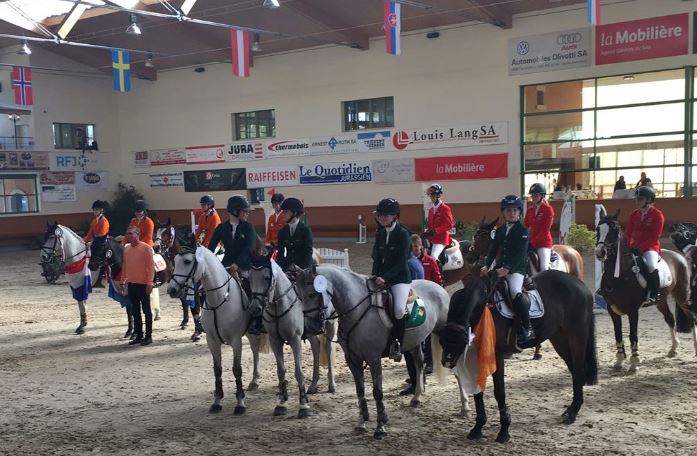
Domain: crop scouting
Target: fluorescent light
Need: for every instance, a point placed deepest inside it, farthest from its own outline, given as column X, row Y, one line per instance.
column 149, row 63
column 133, row 29
column 271, row 4
column 24, row 48
column 256, row 47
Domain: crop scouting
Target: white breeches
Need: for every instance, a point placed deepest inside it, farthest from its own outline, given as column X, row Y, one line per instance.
column 651, row 257
column 400, row 293
column 545, row 255
column 515, row 283
column 436, row 250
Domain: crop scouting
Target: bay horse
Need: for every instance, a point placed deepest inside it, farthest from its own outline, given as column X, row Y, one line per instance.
column 453, row 276
column 624, row 295
column 568, row 323
column 62, row 245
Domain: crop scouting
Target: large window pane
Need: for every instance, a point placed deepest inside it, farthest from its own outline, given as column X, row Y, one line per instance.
column 18, row 194
column 667, row 150
column 555, row 127
column 641, row 88
column 640, row 120
column 254, row 124
column 557, row 157
column 369, row 113
column 560, row 96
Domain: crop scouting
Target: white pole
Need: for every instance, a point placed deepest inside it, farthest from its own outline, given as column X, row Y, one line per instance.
column 362, row 232
column 599, row 209
column 193, row 222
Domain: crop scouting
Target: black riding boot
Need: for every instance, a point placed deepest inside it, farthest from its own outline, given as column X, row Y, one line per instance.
column 398, row 337
column 521, row 306
column 653, row 288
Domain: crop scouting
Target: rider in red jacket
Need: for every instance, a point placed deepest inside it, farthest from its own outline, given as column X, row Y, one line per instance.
column 643, row 233
column 440, row 221
column 538, row 220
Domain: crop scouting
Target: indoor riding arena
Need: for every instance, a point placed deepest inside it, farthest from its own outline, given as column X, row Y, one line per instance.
column 347, row 227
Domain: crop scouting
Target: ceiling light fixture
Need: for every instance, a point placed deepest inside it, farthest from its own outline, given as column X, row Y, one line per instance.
column 149, row 63
column 24, row 48
column 256, row 47
column 271, row 4
column 133, row 29
column 628, row 77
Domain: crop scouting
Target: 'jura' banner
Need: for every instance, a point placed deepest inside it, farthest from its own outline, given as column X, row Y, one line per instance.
column 550, row 51
column 467, row 167
column 480, row 134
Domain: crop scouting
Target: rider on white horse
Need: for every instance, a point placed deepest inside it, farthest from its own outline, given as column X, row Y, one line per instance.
column 390, row 256
column 643, row 233
column 538, row 220
column 440, row 221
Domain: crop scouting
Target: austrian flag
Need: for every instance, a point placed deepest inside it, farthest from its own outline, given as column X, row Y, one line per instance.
column 21, row 80
column 240, row 53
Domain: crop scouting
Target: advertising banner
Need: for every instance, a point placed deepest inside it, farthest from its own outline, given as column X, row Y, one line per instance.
column 23, row 160
column 59, row 178
column 550, row 51
column 393, row 171
column 217, row 180
column 468, row 167
column 140, row 159
column 58, row 193
column 480, row 134
column 374, row 141
column 94, row 181
column 336, row 173
column 293, row 148
column 167, row 180
column 274, row 176
column 339, row 144
column 163, row 157
column 77, row 161
column 643, row 39
column 244, row 151
column 201, row 155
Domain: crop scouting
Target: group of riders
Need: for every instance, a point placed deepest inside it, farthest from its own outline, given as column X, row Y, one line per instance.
column 507, row 259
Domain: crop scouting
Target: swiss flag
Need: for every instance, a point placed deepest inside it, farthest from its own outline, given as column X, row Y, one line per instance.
column 21, row 81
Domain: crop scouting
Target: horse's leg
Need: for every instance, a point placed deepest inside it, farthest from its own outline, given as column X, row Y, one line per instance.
column 573, row 354
column 634, row 340
column 359, row 380
column 330, row 332
column 418, row 357
column 538, row 352
column 277, row 348
column 155, row 303
column 619, row 342
column 669, row 309
column 500, row 394
column 694, row 337
column 185, row 314
column 376, row 374
column 129, row 317
column 240, row 408
column 296, row 346
column 255, row 344
column 316, row 348
column 464, row 401
column 480, row 421
column 83, row 317
column 215, row 348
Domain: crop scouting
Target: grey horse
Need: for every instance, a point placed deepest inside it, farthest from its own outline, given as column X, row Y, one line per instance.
column 364, row 330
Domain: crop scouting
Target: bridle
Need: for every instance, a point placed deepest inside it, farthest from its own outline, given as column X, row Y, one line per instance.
column 165, row 247
column 608, row 246
column 480, row 237
column 51, row 252
column 267, row 299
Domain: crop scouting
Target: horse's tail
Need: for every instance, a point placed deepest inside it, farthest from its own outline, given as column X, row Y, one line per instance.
column 264, row 343
column 441, row 373
column 323, row 355
column 683, row 322
column 591, row 354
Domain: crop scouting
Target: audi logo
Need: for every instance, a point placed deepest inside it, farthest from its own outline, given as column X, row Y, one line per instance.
column 569, row 38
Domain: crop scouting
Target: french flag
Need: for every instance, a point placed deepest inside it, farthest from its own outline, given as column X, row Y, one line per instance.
column 594, row 12
column 240, row 53
column 393, row 27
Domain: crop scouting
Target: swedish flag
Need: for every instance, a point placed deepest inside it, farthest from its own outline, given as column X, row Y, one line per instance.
column 121, row 63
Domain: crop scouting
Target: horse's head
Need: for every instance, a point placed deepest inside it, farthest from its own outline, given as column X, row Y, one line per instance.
column 187, row 267
column 305, row 286
column 262, row 280
column 683, row 235
column 482, row 240
column 164, row 237
column 464, row 312
column 100, row 253
column 607, row 235
column 53, row 242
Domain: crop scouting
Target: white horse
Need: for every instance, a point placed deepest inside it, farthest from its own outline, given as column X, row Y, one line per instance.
column 71, row 249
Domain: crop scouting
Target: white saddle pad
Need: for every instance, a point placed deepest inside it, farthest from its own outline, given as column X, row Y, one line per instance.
column 537, row 308
column 160, row 264
column 557, row 263
column 664, row 274
column 453, row 257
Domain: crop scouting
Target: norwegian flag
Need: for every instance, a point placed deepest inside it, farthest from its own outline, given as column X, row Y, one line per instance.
column 21, row 80
column 240, row 53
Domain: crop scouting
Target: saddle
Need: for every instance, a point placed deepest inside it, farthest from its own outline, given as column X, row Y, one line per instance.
column 534, row 259
column 504, row 306
column 416, row 309
column 451, row 257
column 641, row 271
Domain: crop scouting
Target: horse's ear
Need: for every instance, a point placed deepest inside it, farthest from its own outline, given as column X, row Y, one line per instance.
column 483, row 222
column 617, row 214
column 169, row 221
column 495, row 222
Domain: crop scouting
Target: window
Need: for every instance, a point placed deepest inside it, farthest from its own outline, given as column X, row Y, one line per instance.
column 18, row 194
column 74, row 136
column 372, row 113
column 254, row 124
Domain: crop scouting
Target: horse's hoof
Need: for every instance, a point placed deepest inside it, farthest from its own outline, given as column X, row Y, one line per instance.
column 672, row 354
column 537, row 357
column 80, row 330
column 332, row 388
column 215, row 408
column 312, row 389
column 568, row 418
column 304, row 413
column 415, row 403
column 156, row 318
column 617, row 368
column 128, row 334
column 253, row 386
column 280, row 410
column 632, row 371
column 239, row 410
column 195, row 338
column 464, row 413
column 475, row 434
column 503, row 437
column 183, row 324
column 379, row 434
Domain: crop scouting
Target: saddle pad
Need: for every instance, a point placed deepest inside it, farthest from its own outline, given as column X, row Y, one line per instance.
column 537, row 309
column 417, row 313
column 160, row 264
column 453, row 257
column 664, row 274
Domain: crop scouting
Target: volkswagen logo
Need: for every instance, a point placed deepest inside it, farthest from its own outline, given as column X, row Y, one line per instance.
column 523, row 47
column 569, row 38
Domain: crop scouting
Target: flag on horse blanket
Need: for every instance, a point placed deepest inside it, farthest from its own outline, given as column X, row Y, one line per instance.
column 79, row 279
column 118, row 293
column 478, row 361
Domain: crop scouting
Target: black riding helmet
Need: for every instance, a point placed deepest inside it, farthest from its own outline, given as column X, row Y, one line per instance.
column 537, row 188
column 237, row 203
column 435, row 189
column 277, row 198
column 293, row 205
column 646, row 192
column 511, row 201
column 99, row 204
column 388, row 206
column 139, row 206
column 207, row 199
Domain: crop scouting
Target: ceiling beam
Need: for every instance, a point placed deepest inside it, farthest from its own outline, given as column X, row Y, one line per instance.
column 70, row 20
column 495, row 14
column 353, row 38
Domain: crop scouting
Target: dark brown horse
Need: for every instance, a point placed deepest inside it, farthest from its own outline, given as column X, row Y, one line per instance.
column 463, row 274
column 624, row 294
column 568, row 323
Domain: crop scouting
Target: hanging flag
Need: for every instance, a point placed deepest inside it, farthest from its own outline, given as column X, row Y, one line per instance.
column 240, row 53
column 594, row 12
column 121, row 63
column 21, row 80
column 393, row 27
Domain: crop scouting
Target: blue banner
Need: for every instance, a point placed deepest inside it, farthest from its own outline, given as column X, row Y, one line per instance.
column 336, row 173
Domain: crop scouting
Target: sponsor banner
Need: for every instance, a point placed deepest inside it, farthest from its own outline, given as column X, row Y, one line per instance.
column 374, row 141
column 294, row 148
column 469, row 167
column 242, row 151
column 336, row 173
column 166, row 180
column 163, row 157
column 23, row 160
column 217, row 180
column 96, row 181
column 201, row 155
column 339, row 144
column 274, row 176
column 59, row 178
column 58, row 193
column 393, row 171
column 140, row 159
column 480, row 134
column 652, row 38
column 77, row 161
column 550, row 51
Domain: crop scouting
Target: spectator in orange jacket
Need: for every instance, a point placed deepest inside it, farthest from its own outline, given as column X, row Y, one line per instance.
column 208, row 221
column 138, row 271
column 99, row 226
column 276, row 221
column 145, row 225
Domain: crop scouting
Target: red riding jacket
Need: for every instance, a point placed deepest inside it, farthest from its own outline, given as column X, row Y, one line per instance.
column 431, row 269
column 540, row 225
column 440, row 222
column 645, row 234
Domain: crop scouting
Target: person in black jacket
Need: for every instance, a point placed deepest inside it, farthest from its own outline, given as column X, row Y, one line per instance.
column 295, row 238
column 237, row 236
column 390, row 269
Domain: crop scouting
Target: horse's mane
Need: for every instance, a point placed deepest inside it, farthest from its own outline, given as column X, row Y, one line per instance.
column 65, row 228
column 464, row 309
